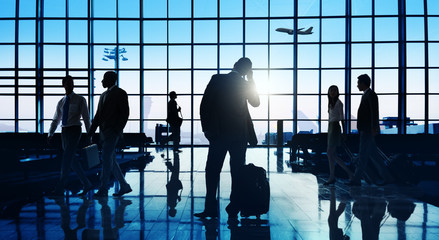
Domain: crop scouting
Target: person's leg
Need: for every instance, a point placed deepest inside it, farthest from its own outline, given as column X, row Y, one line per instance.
column 341, row 163
column 331, row 152
column 365, row 143
column 70, row 139
column 214, row 164
column 76, row 166
column 109, row 141
column 237, row 152
column 117, row 172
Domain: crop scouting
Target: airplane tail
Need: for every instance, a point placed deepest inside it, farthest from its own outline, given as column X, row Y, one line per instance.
column 309, row 30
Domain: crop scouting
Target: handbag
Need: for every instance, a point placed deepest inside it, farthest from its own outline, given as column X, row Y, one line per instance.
column 91, row 156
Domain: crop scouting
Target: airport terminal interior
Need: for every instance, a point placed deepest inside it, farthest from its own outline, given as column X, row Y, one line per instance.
column 298, row 49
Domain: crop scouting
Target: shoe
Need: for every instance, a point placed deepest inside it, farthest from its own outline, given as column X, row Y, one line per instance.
column 206, row 214
column 354, row 183
column 85, row 191
column 101, row 193
column 331, row 182
column 123, row 191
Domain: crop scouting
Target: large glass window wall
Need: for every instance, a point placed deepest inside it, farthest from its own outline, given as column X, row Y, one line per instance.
column 175, row 45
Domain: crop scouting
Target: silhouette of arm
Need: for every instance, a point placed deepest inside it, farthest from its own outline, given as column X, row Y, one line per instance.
column 124, row 109
column 85, row 114
column 97, row 119
column 252, row 93
column 56, row 118
column 206, row 106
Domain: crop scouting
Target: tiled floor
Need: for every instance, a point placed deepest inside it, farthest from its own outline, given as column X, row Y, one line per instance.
column 300, row 208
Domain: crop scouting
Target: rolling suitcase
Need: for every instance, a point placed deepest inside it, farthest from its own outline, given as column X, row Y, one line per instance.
column 254, row 191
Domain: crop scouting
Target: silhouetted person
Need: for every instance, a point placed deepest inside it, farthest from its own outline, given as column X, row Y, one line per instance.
column 110, row 232
column 69, row 111
column 70, row 233
column 370, row 211
column 111, row 118
column 174, row 120
column 174, row 185
column 227, row 124
column 335, row 233
column 335, row 110
column 368, row 127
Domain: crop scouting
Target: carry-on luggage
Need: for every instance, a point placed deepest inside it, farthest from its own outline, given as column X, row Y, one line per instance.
column 90, row 156
column 253, row 191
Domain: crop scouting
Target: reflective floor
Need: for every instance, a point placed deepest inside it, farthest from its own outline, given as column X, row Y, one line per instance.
column 160, row 208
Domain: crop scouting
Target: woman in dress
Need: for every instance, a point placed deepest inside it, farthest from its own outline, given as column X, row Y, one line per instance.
column 335, row 110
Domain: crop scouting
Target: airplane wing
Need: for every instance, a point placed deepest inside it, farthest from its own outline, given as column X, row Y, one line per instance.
column 284, row 30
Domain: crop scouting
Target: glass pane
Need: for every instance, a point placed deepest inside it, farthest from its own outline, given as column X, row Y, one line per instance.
column 388, row 7
column 276, row 36
column 204, row 8
column 256, row 8
column 129, row 32
column 179, row 57
column 433, row 110
column 386, row 29
column 205, row 31
column 129, row 8
column 54, row 8
column 54, row 56
column 433, row 52
column 432, row 7
column 7, row 126
column 281, row 56
column 361, row 7
column 78, row 8
column 415, row 106
column 306, row 24
column 54, row 31
column 361, row 55
column 433, row 81
column 134, row 103
column 105, row 57
column 154, row 9
column 281, row 8
column 284, row 112
column 333, row 77
column 158, row 104
column 155, row 82
column 281, row 81
column 201, row 79
column 8, row 9
column 180, row 8
column 260, row 112
column 129, row 57
column 333, row 55
column 333, row 30
column 414, row 7
column 27, row 8
column 78, row 32
column 361, row 29
column 307, row 107
column 433, row 30
column 256, row 31
column 155, row 57
column 231, row 31
column 155, row 31
column 8, row 31
column 388, row 106
column 386, row 55
column 415, row 28
column 258, row 54
column 230, row 8
column 26, row 107
column 333, row 8
column 8, row 108
column 308, row 8
column 307, row 81
column 26, row 56
column 415, row 54
column 180, row 82
column 26, row 126
column 179, row 31
column 229, row 55
column 26, row 31
column 415, row 81
column 104, row 31
column 386, row 81
column 130, row 82
column 308, row 56
column 78, row 56
column 205, row 56
column 104, row 8
column 262, row 81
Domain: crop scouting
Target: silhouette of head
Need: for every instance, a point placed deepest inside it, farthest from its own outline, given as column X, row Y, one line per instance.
column 110, row 79
column 67, row 83
column 333, row 95
column 243, row 65
column 173, row 95
column 363, row 82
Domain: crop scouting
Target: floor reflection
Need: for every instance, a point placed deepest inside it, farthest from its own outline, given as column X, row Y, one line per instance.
column 170, row 189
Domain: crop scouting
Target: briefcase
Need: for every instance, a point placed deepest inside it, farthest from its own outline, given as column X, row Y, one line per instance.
column 90, row 155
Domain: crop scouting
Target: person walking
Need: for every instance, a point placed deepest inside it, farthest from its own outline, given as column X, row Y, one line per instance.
column 69, row 111
column 111, row 118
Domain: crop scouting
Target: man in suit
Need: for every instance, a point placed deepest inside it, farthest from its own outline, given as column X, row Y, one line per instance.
column 227, row 124
column 111, row 118
column 69, row 111
column 368, row 127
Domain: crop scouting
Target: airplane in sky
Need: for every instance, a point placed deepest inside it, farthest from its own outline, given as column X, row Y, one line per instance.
column 110, row 53
column 298, row 31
